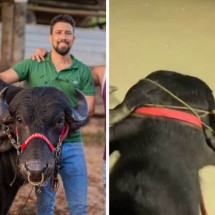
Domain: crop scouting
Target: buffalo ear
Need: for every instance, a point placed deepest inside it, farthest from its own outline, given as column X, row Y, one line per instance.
column 5, row 144
column 3, row 102
column 4, row 113
column 6, row 118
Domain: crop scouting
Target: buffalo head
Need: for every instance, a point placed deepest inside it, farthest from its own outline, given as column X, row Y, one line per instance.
column 38, row 119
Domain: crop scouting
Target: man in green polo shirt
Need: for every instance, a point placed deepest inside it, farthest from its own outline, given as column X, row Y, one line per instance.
column 65, row 72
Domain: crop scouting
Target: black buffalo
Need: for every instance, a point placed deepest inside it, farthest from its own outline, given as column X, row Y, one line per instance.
column 33, row 123
column 160, row 155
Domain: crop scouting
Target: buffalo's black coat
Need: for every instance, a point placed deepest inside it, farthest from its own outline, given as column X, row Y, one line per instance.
column 41, row 109
column 157, row 172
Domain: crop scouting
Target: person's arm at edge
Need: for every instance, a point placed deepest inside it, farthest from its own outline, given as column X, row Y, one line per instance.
column 98, row 74
column 91, row 104
column 9, row 76
column 95, row 77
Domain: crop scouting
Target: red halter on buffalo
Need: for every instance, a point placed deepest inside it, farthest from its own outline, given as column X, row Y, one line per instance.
column 43, row 137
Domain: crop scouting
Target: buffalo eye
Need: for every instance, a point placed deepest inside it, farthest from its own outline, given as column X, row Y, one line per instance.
column 18, row 119
column 60, row 122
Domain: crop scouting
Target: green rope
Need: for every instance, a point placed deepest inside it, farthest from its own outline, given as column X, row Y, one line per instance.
column 194, row 111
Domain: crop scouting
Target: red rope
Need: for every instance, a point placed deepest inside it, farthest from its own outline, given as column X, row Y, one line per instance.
column 169, row 113
column 37, row 135
column 64, row 132
column 63, row 135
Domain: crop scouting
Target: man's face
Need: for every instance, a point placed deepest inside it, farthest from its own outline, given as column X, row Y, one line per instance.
column 62, row 37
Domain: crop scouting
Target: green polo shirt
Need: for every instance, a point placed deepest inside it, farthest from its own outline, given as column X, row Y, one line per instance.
column 77, row 75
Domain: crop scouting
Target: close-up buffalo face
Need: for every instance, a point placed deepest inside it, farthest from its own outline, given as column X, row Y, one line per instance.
column 38, row 120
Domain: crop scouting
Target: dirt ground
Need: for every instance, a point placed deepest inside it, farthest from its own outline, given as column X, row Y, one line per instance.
column 94, row 149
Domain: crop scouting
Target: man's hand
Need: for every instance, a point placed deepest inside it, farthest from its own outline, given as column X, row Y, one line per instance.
column 39, row 54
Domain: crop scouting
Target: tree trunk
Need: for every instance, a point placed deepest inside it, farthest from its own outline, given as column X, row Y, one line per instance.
column 14, row 15
column 7, row 32
column 20, row 15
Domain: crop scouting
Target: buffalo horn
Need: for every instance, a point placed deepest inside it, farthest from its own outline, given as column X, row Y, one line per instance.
column 3, row 102
column 80, row 112
column 112, row 89
column 119, row 113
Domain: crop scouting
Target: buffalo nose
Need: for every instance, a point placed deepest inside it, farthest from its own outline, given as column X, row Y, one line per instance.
column 35, row 169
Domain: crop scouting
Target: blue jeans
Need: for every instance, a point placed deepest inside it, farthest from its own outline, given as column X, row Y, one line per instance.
column 74, row 176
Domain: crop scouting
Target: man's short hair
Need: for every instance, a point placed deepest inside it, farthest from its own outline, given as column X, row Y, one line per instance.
column 62, row 18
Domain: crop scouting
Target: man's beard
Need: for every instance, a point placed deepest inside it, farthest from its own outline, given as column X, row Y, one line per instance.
column 62, row 51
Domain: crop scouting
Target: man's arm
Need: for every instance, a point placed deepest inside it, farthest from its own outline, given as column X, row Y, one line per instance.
column 9, row 76
column 98, row 75
column 91, row 104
